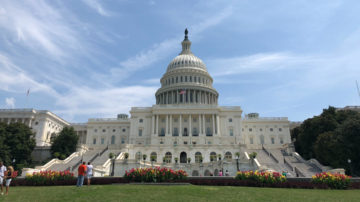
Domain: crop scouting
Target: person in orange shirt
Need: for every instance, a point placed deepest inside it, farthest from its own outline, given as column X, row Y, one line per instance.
column 81, row 174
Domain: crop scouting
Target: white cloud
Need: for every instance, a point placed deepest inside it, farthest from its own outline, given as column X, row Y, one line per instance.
column 94, row 4
column 15, row 79
column 10, row 102
column 255, row 63
column 40, row 27
column 104, row 102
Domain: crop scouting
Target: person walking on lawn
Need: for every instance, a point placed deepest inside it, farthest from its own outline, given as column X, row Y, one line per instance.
column 2, row 173
column 81, row 174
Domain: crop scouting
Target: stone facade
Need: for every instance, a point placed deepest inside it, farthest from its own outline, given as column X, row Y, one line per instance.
column 45, row 124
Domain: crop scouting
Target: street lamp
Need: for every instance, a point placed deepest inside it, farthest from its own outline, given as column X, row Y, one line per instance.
column 349, row 161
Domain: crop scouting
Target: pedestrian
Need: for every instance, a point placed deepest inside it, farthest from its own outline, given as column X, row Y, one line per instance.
column 220, row 173
column 227, row 173
column 81, row 174
column 89, row 172
column 9, row 175
column 2, row 172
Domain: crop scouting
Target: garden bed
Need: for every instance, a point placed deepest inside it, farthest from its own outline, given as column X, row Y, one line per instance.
column 303, row 183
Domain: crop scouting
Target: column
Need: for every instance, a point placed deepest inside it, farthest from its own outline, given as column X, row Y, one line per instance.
column 166, row 125
column 157, row 125
column 30, row 122
column 22, row 120
column 152, row 124
column 177, row 97
column 203, row 123
column 218, row 124
column 213, row 122
column 166, row 99
column 180, row 125
column 171, row 128
column 200, row 130
column 190, row 131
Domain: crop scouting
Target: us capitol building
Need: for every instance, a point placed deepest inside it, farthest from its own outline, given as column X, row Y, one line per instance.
column 185, row 129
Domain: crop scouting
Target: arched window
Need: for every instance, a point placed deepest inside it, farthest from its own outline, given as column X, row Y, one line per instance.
column 153, row 156
column 198, row 157
column 168, row 157
column 212, row 156
column 113, row 139
column 228, row 156
column 138, row 156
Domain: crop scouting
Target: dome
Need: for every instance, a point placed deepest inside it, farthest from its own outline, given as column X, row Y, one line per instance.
column 186, row 61
column 186, row 81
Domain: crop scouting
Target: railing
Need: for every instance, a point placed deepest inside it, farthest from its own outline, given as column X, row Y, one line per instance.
column 106, row 119
column 103, row 151
column 270, row 154
column 288, row 164
column 298, row 172
column 266, row 118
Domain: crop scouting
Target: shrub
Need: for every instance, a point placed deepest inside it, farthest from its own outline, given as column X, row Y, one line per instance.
column 156, row 174
column 334, row 181
column 253, row 155
column 48, row 177
column 261, row 177
column 126, row 155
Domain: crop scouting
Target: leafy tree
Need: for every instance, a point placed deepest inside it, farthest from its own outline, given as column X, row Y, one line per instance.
column 65, row 143
column 17, row 141
column 332, row 138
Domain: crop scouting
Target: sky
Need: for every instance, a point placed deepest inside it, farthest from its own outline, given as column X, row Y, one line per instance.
column 95, row 59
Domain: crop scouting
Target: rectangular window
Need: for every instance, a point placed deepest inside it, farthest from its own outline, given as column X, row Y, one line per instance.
column 94, row 141
column 251, row 140
column 140, row 132
column 231, row 132
column 102, row 140
column 272, row 140
column 122, row 140
column 281, row 140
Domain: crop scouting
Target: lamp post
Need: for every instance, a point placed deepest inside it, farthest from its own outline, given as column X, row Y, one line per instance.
column 349, row 162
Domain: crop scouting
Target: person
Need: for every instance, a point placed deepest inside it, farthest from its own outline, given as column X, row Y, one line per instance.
column 81, row 174
column 2, row 173
column 89, row 172
column 227, row 173
column 8, row 177
column 220, row 173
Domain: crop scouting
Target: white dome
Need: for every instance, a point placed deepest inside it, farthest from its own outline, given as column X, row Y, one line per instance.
column 186, row 60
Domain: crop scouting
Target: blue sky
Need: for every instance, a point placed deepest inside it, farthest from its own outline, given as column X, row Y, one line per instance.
column 92, row 58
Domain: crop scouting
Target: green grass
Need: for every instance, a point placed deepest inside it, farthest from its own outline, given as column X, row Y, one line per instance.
column 174, row 193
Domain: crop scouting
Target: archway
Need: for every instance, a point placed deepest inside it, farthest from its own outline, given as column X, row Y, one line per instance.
column 216, row 172
column 207, row 173
column 183, row 157
column 195, row 173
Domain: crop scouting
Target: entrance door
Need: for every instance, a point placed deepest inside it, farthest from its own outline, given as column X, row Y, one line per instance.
column 183, row 157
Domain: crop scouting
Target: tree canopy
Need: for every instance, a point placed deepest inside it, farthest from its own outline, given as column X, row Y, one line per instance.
column 17, row 142
column 332, row 138
column 65, row 143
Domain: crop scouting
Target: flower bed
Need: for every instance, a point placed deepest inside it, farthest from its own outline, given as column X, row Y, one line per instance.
column 261, row 177
column 334, row 181
column 154, row 175
column 49, row 178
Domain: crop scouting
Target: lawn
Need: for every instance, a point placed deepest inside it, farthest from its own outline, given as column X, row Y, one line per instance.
column 174, row 193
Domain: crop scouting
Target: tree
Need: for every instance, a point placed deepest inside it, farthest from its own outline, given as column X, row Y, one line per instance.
column 333, row 137
column 17, row 142
column 65, row 143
